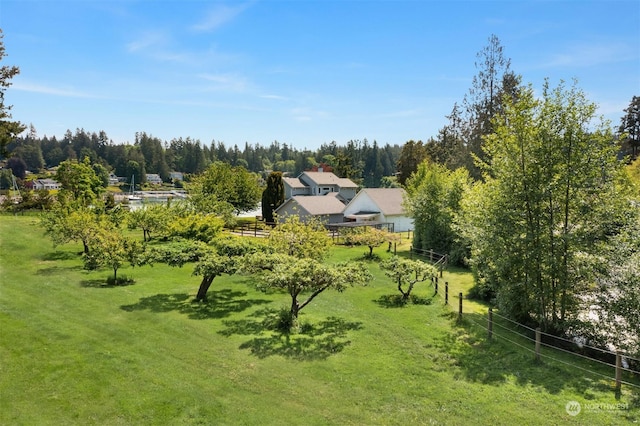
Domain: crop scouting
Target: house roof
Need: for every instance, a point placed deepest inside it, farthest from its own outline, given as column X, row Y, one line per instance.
column 316, row 205
column 389, row 200
column 293, row 182
column 328, row 178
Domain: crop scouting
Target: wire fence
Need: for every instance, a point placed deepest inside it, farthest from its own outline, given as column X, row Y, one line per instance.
column 532, row 340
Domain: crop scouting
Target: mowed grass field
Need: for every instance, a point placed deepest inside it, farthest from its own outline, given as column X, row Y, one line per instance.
column 75, row 352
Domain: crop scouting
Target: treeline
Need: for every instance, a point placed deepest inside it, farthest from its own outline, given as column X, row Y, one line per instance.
column 364, row 162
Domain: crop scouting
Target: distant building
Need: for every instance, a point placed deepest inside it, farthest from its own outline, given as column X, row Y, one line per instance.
column 113, row 179
column 327, row 208
column 40, row 184
column 154, row 179
column 176, row 176
column 319, row 183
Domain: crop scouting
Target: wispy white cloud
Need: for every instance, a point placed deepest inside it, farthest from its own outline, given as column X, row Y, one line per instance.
column 589, row 55
column 148, row 40
column 275, row 97
column 305, row 114
column 227, row 82
column 219, row 15
column 48, row 90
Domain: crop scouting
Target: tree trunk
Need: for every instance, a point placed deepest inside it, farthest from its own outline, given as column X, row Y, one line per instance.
column 295, row 308
column 85, row 247
column 405, row 296
column 204, row 287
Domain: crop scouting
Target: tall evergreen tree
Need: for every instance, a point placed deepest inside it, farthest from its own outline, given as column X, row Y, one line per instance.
column 630, row 128
column 272, row 196
column 413, row 153
column 9, row 129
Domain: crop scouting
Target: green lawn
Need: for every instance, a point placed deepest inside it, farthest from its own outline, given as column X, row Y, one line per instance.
column 75, row 352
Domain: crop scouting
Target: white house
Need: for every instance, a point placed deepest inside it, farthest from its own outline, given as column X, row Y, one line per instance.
column 327, row 208
column 319, row 183
column 48, row 184
column 113, row 179
column 379, row 205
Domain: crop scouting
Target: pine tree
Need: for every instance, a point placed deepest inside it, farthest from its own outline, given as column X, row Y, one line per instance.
column 8, row 129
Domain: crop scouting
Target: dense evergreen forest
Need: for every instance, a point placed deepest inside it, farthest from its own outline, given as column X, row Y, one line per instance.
column 362, row 161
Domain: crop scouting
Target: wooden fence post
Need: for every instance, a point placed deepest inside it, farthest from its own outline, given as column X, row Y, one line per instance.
column 431, row 255
column 538, row 338
column 411, row 252
column 618, row 371
column 460, row 305
column 490, row 324
column 446, row 292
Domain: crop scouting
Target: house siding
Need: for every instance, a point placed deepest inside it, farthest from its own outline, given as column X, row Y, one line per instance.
column 363, row 202
column 400, row 223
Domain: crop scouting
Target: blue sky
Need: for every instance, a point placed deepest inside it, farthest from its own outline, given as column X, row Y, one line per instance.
column 299, row 72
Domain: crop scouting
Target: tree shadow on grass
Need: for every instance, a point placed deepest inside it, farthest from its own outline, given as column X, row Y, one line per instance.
column 57, row 269
column 219, row 304
column 396, row 301
column 60, row 255
column 311, row 342
column 107, row 282
column 494, row 362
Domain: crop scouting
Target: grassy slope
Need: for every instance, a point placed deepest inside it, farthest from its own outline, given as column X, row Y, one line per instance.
column 73, row 352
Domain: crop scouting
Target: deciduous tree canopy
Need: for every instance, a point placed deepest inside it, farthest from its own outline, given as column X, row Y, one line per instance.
column 551, row 198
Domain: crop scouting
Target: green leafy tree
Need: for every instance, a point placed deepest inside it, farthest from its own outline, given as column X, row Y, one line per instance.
column 223, row 256
column 371, row 238
column 195, row 226
column 79, row 182
column 299, row 239
column 9, row 129
column 304, row 279
column 18, row 167
column 297, row 268
column 407, row 273
column 64, row 224
column 110, row 248
column 272, row 196
column 551, row 197
column 153, row 219
column 222, row 183
column 633, row 171
column 434, row 195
